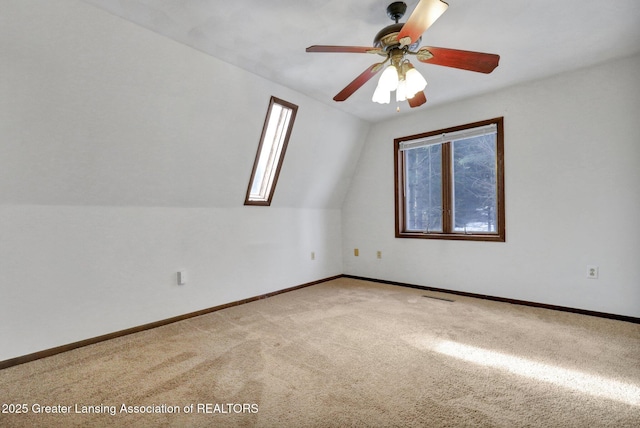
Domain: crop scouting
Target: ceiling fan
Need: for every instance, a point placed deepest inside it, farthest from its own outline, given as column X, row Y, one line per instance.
column 396, row 42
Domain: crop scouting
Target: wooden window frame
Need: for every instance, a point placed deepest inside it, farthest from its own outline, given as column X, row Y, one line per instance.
column 447, row 197
column 249, row 200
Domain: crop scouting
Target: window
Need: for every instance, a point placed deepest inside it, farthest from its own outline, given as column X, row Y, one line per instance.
column 273, row 144
column 450, row 183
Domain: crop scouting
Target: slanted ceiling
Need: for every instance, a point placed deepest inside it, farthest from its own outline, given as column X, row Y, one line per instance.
column 534, row 39
column 107, row 113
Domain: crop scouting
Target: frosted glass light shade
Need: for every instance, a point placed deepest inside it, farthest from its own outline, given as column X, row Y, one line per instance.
column 414, row 82
column 389, row 78
column 401, row 91
column 381, row 96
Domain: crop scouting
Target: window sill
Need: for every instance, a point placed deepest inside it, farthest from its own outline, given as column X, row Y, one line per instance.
column 489, row 237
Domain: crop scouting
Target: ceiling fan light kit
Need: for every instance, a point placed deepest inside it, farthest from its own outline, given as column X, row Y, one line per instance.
column 402, row 78
column 397, row 41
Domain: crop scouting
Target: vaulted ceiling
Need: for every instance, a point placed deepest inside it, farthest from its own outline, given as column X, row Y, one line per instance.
column 534, row 39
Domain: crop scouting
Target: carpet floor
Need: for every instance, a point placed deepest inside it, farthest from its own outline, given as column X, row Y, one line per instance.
column 344, row 353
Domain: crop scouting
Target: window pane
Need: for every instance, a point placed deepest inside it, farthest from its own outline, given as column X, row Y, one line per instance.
column 271, row 149
column 423, row 188
column 270, row 153
column 450, row 183
column 475, row 185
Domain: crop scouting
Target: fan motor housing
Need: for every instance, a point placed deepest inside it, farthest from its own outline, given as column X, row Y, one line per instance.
column 387, row 38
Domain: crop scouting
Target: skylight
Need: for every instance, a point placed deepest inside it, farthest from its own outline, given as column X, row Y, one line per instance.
column 273, row 144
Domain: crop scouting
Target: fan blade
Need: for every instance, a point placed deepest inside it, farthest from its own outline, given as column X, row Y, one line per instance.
column 358, row 82
column 345, row 49
column 425, row 14
column 465, row 60
column 417, row 100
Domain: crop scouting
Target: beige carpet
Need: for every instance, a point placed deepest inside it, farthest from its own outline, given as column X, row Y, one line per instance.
column 345, row 353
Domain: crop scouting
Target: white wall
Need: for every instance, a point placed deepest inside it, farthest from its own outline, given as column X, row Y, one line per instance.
column 572, row 149
column 125, row 157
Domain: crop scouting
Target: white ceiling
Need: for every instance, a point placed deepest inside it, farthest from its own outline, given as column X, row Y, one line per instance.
column 533, row 38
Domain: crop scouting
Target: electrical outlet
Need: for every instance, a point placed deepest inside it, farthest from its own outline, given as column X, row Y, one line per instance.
column 182, row 277
column 379, row 254
column 592, row 271
column 313, row 255
column 356, row 252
